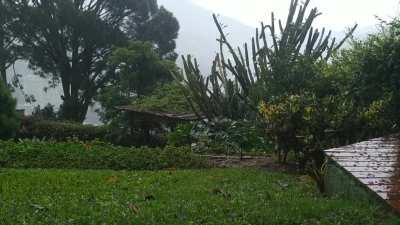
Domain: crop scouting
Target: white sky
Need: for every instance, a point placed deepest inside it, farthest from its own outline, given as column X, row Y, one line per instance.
column 337, row 14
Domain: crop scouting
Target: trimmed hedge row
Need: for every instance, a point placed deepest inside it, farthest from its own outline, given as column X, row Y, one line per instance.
column 60, row 131
column 32, row 128
column 94, row 155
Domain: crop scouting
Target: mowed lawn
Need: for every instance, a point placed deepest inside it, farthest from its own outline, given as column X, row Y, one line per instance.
column 217, row 196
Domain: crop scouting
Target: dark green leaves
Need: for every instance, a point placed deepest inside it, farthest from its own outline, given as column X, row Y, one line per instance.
column 9, row 120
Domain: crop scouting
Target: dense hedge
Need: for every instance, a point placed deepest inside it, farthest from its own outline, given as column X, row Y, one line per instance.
column 60, row 131
column 93, row 155
column 36, row 128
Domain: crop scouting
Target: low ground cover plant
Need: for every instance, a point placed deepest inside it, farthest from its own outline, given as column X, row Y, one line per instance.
column 209, row 197
column 93, row 155
column 224, row 136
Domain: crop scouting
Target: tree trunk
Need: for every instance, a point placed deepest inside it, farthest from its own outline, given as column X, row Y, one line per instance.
column 3, row 74
column 3, row 60
column 75, row 106
column 73, row 110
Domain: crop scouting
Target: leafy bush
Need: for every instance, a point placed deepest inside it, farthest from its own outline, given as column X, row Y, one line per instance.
column 230, row 137
column 168, row 97
column 290, row 119
column 370, row 75
column 8, row 116
column 32, row 127
column 61, row 131
column 181, row 136
column 93, row 155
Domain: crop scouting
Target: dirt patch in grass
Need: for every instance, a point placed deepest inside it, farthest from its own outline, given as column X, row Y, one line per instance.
column 262, row 162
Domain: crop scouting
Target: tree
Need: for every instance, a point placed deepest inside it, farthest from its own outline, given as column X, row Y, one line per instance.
column 139, row 70
column 8, row 45
column 69, row 42
column 168, row 97
column 160, row 28
column 8, row 115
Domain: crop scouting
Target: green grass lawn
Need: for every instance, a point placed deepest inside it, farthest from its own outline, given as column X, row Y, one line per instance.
column 219, row 197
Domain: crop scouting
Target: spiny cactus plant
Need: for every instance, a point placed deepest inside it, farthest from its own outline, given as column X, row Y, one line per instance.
column 217, row 96
column 238, row 83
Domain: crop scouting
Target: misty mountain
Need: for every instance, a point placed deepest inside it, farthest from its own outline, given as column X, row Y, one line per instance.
column 198, row 33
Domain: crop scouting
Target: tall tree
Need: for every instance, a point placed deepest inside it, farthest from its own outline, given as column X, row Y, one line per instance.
column 139, row 70
column 8, row 115
column 160, row 28
column 69, row 42
column 8, row 46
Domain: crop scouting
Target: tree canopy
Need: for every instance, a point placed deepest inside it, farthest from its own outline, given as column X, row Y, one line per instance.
column 69, row 42
column 139, row 71
column 8, row 46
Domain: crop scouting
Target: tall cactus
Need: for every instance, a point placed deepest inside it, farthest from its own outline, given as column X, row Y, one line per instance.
column 216, row 96
column 238, row 82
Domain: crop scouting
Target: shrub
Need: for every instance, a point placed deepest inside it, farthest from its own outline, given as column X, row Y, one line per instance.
column 93, row 155
column 224, row 136
column 8, row 116
column 181, row 136
column 370, row 79
column 33, row 127
column 168, row 97
column 60, row 131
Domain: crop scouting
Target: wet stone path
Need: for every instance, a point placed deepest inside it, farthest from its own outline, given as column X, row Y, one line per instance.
column 376, row 164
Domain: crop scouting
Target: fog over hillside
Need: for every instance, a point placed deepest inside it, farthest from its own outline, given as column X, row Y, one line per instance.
column 198, row 34
column 197, row 37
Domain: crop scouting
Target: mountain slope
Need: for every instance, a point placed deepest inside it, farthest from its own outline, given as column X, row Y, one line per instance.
column 198, row 32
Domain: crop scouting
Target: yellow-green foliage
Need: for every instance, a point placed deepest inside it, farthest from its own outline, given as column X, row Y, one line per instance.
column 169, row 97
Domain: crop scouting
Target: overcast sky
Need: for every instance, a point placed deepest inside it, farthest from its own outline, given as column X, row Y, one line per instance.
column 337, row 14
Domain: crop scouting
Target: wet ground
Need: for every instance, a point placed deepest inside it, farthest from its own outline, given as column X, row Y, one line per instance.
column 222, row 161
